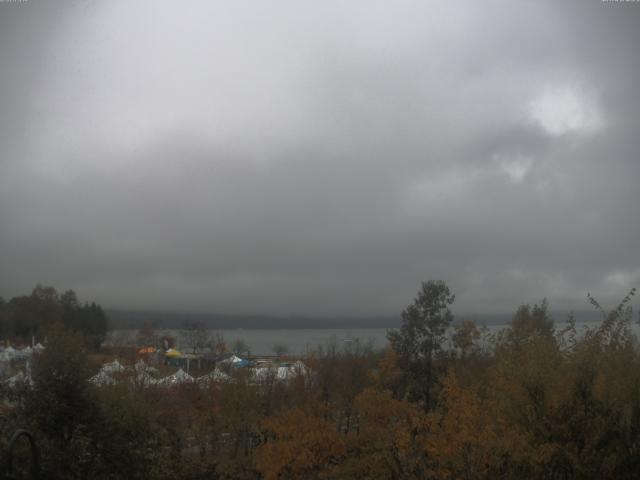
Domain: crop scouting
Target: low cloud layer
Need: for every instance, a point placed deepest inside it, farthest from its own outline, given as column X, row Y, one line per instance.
column 320, row 158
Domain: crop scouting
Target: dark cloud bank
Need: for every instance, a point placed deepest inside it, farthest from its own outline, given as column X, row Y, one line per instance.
column 320, row 158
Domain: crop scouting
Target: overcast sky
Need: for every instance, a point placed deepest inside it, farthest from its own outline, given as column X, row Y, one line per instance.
column 320, row 157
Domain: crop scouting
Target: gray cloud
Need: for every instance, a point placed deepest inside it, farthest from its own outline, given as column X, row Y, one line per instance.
column 319, row 157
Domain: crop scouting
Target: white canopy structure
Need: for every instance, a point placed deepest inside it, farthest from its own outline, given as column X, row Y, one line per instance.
column 264, row 373
column 300, row 368
column 233, row 359
column 280, row 372
column 145, row 375
column 9, row 353
column 112, row 367
column 19, row 379
column 175, row 379
column 106, row 374
column 102, row 379
column 213, row 377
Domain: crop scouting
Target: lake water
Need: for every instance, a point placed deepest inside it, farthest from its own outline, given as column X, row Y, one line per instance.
column 262, row 342
column 298, row 341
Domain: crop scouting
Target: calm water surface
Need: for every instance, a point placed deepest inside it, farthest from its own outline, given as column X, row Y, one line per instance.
column 298, row 341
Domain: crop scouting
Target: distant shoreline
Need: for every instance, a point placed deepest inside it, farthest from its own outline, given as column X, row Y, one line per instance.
column 133, row 320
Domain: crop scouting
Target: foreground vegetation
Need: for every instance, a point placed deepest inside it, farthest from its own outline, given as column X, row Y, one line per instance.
column 534, row 401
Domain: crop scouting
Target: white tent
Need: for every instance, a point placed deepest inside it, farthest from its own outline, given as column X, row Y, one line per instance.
column 265, row 371
column 18, row 379
column 300, row 368
column 284, row 373
column 271, row 372
column 105, row 375
column 101, row 378
column 112, row 367
column 175, row 379
column 233, row 359
column 145, row 375
column 280, row 372
column 213, row 376
column 9, row 352
column 141, row 365
column 21, row 354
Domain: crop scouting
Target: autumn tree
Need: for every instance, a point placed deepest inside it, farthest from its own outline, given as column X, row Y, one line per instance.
column 465, row 337
column 130, row 441
column 240, row 347
column 195, row 335
column 238, row 407
column 299, row 444
column 389, row 440
column 60, row 407
column 353, row 365
column 420, row 338
column 388, row 375
column 468, row 439
column 531, row 321
column 219, row 344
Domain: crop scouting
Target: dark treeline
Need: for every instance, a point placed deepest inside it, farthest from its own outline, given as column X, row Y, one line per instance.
column 537, row 400
column 28, row 317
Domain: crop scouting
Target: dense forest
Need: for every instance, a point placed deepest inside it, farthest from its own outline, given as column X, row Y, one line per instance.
column 536, row 400
column 26, row 318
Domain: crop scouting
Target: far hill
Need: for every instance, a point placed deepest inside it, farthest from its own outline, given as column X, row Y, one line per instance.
column 127, row 319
